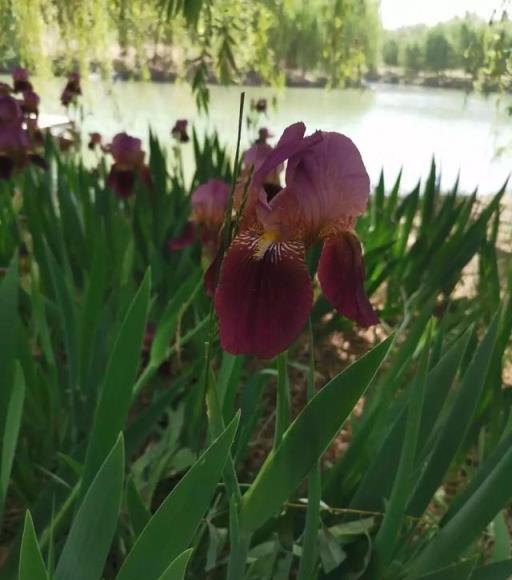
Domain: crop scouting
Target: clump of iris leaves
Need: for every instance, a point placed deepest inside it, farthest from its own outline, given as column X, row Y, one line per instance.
column 109, row 465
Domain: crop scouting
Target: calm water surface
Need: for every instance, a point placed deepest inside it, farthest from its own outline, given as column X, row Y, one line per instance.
column 394, row 127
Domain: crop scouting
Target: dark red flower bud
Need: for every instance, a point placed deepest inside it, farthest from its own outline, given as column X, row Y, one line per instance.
column 20, row 80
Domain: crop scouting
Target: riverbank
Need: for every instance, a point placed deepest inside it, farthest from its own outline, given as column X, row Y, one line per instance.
column 165, row 71
column 299, row 79
column 452, row 79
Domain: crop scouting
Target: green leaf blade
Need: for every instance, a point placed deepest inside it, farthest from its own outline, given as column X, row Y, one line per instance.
column 170, row 530
column 31, row 561
column 307, row 438
column 88, row 542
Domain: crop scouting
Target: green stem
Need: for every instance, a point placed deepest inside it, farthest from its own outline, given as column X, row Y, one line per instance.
column 309, row 545
column 282, row 399
column 239, row 544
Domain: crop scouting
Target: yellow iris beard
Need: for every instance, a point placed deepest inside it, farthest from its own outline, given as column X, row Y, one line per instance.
column 264, row 243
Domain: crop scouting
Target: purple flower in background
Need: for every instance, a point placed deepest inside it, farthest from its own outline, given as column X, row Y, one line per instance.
column 179, row 131
column 95, row 140
column 20, row 80
column 72, row 90
column 208, row 209
column 10, row 110
column 259, row 105
column 15, row 146
column 128, row 166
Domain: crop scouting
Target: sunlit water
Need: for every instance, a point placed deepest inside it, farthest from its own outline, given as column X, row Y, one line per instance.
column 394, row 127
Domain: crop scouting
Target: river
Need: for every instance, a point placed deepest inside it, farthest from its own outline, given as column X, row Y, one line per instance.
column 394, row 126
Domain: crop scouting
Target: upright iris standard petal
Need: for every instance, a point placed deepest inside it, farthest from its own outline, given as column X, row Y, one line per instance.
column 209, row 203
column 127, row 150
column 291, row 143
column 256, row 155
column 264, row 295
column 330, row 183
column 341, row 276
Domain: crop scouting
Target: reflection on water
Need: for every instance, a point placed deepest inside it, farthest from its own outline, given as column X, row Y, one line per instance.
column 393, row 126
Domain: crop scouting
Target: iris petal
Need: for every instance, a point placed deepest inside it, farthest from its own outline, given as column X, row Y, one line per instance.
column 264, row 295
column 121, row 182
column 341, row 276
column 291, row 143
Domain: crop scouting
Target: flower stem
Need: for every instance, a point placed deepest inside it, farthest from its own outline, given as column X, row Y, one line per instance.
column 239, row 543
column 283, row 399
column 309, row 545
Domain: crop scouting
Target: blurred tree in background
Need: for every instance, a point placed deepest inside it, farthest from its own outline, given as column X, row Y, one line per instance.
column 328, row 42
column 413, row 58
column 219, row 40
column 438, row 51
column 480, row 50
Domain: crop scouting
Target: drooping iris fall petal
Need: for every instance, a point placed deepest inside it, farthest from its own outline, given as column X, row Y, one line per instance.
column 264, row 295
column 121, row 181
column 341, row 276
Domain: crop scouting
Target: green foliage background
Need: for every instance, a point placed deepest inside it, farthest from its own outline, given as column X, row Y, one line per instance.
column 230, row 37
column 480, row 49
